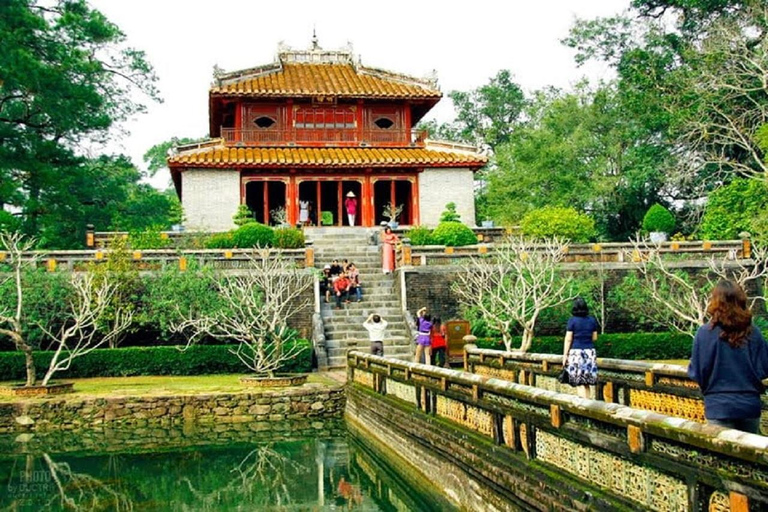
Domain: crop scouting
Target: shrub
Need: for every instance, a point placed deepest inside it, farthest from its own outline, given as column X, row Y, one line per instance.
column 289, row 238
column 220, row 241
column 326, row 218
column 734, row 208
column 453, row 234
column 253, row 234
column 420, row 236
column 658, row 219
column 150, row 238
column 632, row 346
column 450, row 215
column 564, row 223
column 243, row 216
column 123, row 362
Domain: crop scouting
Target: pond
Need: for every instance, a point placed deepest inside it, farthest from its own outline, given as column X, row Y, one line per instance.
column 271, row 467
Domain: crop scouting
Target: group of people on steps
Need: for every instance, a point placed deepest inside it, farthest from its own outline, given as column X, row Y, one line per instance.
column 342, row 281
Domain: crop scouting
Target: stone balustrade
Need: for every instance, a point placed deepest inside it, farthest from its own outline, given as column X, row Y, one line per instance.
column 484, row 438
column 662, row 388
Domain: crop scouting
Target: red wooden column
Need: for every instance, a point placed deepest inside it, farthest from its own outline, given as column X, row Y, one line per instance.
column 416, row 221
column 340, row 208
column 318, row 205
column 359, row 120
column 407, row 123
column 366, row 200
column 238, row 122
column 290, row 131
column 291, row 200
column 266, row 202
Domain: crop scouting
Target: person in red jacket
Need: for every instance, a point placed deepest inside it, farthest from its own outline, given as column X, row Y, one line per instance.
column 341, row 289
column 438, row 344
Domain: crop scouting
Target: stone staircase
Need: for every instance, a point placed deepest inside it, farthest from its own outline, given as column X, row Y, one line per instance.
column 344, row 328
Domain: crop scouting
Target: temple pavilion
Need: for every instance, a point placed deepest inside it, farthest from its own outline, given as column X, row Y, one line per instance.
column 311, row 127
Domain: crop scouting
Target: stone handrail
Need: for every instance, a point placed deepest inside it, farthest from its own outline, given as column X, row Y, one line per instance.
column 648, row 459
column 612, row 252
column 662, row 388
column 156, row 259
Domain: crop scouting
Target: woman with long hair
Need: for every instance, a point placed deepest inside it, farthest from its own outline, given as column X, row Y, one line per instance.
column 389, row 241
column 730, row 360
column 579, row 356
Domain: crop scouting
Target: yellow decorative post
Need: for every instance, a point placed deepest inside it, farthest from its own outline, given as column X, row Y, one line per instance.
column 228, row 255
column 449, row 250
column 636, row 439
column 183, row 263
column 90, row 236
column 309, row 255
column 136, row 255
column 746, row 245
column 555, row 415
column 51, row 265
column 706, row 245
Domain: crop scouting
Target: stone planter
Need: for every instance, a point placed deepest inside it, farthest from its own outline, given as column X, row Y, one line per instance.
column 393, row 224
column 58, row 388
column 278, row 381
column 658, row 237
column 487, row 224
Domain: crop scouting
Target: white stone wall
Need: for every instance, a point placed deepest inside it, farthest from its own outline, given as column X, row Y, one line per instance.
column 210, row 198
column 437, row 187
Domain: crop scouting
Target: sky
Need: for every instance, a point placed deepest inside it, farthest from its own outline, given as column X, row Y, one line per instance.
column 466, row 43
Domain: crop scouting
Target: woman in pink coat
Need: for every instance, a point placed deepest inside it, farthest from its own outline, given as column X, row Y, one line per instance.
column 389, row 240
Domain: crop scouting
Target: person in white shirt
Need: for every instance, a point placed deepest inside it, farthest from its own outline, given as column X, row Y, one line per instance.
column 375, row 325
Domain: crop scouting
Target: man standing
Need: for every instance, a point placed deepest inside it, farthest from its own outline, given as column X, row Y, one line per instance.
column 376, row 326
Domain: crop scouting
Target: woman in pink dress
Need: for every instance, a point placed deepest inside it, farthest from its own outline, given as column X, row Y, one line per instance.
column 351, row 205
column 389, row 240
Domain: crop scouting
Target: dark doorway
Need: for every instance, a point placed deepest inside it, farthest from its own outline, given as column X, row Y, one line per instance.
column 264, row 198
column 398, row 192
column 330, row 205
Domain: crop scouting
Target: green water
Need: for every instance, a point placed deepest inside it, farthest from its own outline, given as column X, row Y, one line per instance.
column 325, row 469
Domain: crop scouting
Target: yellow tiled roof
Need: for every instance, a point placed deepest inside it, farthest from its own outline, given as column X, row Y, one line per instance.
column 224, row 156
column 339, row 80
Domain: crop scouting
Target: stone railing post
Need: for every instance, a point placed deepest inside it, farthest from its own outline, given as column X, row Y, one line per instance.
column 90, row 236
column 469, row 344
column 746, row 245
column 407, row 252
column 309, row 255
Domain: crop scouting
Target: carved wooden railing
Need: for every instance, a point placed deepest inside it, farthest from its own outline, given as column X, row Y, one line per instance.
column 346, row 136
column 653, row 461
column 662, row 388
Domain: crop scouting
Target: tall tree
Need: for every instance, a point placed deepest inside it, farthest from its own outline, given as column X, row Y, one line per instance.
column 67, row 78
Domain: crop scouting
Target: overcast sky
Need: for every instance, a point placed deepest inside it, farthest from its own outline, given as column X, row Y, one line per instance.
column 465, row 42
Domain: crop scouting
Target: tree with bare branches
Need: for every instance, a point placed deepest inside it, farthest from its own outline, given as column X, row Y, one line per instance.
column 82, row 321
column 257, row 306
column 513, row 287
column 676, row 299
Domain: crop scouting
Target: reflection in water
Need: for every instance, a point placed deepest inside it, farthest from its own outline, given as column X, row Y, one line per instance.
column 321, row 473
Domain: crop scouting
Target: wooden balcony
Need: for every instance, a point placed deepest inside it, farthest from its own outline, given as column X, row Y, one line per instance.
column 322, row 136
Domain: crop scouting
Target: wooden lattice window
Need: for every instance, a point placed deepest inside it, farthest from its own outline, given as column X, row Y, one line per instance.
column 324, row 117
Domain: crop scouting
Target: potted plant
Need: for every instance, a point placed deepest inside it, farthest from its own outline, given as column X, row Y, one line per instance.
column 279, row 217
column 254, row 312
column 659, row 223
column 326, row 218
column 392, row 212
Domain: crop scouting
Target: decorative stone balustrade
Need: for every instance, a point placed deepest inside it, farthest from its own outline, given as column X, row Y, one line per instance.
column 662, row 388
column 484, row 438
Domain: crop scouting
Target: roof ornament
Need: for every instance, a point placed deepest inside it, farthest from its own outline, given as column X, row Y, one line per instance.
column 431, row 77
column 217, row 73
column 315, row 43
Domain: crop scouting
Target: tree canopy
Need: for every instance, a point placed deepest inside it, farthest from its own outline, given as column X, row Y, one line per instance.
column 68, row 78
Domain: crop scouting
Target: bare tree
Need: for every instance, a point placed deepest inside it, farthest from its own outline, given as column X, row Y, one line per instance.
column 11, row 321
column 728, row 98
column 83, row 330
column 677, row 300
column 255, row 313
column 82, row 326
column 515, row 285
column 79, row 491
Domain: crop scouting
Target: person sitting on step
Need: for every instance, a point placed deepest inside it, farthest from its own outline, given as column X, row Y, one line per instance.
column 341, row 288
column 336, row 269
column 354, row 277
column 326, row 283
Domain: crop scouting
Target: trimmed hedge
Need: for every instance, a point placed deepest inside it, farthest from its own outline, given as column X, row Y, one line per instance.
column 124, row 362
column 453, row 234
column 253, row 234
column 289, row 238
column 659, row 219
column 420, row 236
column 567, row 223
column 632, row 346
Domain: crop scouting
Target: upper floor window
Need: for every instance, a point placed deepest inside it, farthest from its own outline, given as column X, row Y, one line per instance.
column 264, row 122
column 325, row 117
column 384, row 123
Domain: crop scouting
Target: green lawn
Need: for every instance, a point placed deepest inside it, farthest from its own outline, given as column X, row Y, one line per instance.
column 163, row 385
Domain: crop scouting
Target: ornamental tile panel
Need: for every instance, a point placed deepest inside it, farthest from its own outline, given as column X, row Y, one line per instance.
column 402, row 391
column 671, row 405
column 223, row 156
column 364, row 378
column 651, row 488
column 339, row 80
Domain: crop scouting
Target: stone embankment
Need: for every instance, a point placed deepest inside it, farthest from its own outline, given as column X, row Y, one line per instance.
column 40, row 415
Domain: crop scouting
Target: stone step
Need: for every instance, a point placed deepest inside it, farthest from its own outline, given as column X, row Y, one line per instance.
column 340, row 363
column 335, row 353
column 393, row 316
